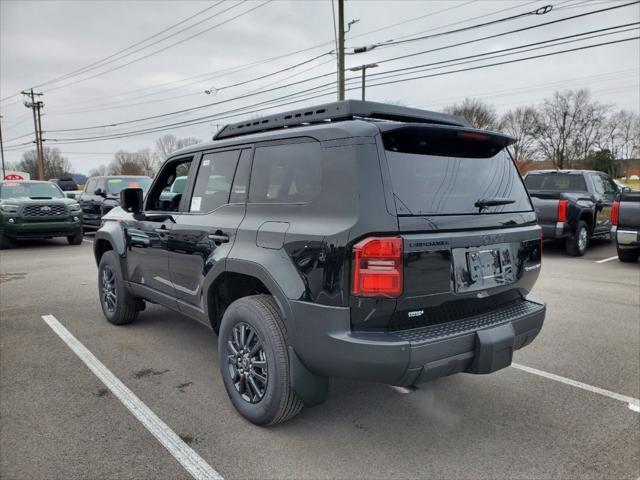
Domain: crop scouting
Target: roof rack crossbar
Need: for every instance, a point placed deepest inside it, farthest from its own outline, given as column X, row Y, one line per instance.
column 338, row 111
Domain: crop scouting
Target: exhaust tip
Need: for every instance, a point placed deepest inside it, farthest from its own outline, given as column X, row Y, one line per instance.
column 404, row 390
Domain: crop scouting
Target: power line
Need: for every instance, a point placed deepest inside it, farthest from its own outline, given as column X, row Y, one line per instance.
column 118, row 67
column 97, row 63
column 235, row 112
column 251, row 64
column 332, row 73
column 497, row 35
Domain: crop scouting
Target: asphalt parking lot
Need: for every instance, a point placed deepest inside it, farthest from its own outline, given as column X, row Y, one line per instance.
column 59, row 421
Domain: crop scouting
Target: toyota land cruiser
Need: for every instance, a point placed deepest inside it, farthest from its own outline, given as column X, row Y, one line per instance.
column 352, row 239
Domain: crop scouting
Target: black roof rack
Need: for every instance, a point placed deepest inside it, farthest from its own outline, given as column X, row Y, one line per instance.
column 336, row 111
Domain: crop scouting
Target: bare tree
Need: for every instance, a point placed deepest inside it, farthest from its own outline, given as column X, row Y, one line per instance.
column 167, row 144
column 520, row 123
column 478, row 113
column 568, row 126
column 99, row 171
column 55, row 165
column 126, row 163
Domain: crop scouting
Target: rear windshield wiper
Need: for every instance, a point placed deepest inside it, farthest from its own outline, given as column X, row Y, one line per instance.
column 492, row 202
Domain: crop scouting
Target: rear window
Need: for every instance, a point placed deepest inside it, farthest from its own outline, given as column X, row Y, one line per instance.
column 557, row 182
column 439, row 173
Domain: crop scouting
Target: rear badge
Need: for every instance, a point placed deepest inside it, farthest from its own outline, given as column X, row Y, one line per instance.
column 483, row 294
column 415, row 313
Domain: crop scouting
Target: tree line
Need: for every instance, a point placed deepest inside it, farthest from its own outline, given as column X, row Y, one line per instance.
column 568, row 129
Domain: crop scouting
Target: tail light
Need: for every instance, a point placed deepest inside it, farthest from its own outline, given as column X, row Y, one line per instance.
column 377, row 267
column 563, row 205
column 615, row 213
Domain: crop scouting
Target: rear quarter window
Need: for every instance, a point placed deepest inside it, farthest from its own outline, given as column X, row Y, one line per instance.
column 289, row 173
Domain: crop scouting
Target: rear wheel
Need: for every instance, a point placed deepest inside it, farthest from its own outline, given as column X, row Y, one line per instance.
column 75, row 239
column 4, row 242
column 577, row 244
column 118, row 305
column 628, row 256
column 254, row 361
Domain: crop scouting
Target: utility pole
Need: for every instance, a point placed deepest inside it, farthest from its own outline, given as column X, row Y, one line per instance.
column 340, row 49
column 364, row 73
column 4, row 170
column 36, row 106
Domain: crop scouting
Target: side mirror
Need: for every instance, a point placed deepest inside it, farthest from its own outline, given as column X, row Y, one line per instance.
column 100, row 192
column 70, row 195
column 131, row 200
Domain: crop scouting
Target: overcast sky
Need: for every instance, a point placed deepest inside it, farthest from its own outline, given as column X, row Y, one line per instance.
column 43, row 40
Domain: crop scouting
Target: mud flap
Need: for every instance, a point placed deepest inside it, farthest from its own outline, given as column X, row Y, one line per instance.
column 494, row 349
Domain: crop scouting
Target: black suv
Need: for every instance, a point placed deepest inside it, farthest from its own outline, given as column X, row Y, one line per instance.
column 352, row 239
column 101, row 194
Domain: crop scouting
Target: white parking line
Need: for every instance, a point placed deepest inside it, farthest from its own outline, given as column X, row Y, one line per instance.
column 91, row 241
column 632, row 403
column 605, row 260
column 185, row 455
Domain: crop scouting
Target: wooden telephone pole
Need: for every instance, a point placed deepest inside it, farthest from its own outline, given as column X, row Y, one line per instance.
column 340, row 49
column 36, row 106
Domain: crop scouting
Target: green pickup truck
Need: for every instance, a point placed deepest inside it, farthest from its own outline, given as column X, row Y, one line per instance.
column 31, row 209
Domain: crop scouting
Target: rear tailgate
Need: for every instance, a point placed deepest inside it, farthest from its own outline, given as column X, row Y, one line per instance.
column 470, row 241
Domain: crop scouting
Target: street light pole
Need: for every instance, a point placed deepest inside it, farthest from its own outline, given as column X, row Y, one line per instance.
column 363, row 68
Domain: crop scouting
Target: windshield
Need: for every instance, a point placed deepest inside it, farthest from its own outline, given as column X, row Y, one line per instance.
column 115, row 185
column 29, row 190
column 436, row 174
column 557, row 182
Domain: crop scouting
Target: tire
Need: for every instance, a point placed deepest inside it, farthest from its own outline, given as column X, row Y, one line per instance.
column 123, row 308
column 75, row 239
column 4, row 242
column 628, row 256
column 257, row 323
column 576, row 245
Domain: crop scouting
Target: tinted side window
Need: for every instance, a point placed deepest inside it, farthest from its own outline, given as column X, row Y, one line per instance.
column 241, row 179
column 598, row 184
column 290, row 173
column 213, row 183
column 610, row 187
column 166, row 194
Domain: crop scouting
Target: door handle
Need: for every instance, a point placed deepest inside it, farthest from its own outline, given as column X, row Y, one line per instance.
column 220, row 238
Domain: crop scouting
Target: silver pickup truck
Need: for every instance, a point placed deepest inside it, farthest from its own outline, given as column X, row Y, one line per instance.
column 625, row 232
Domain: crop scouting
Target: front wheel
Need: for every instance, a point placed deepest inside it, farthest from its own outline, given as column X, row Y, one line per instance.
column 576, row 245
column 254, row 361
column 118, row 305
column 75, row 239
column 4, row 242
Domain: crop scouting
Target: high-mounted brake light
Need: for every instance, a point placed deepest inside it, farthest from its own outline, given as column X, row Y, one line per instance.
column 615, row 213
column 473, row 136
column 563, row 205
column 377, row 267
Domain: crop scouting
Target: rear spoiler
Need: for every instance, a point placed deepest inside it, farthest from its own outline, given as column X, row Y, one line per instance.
column 461, row 132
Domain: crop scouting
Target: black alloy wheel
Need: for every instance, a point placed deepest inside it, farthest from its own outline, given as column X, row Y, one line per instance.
column 247, row 363
column 109, row 292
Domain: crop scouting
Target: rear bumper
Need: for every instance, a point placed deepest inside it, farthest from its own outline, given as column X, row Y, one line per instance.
column 626, row 237
column 555, row 230
column 326, row 345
